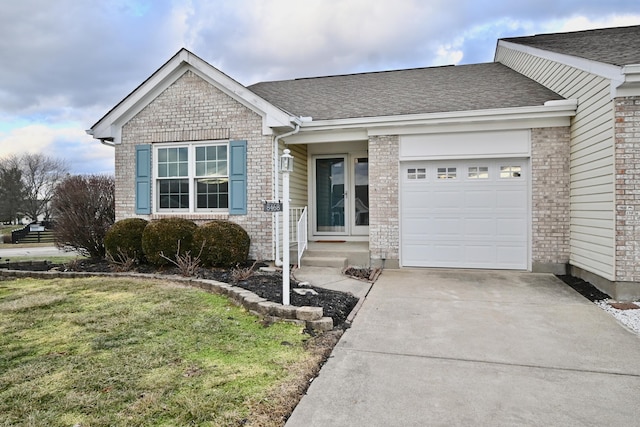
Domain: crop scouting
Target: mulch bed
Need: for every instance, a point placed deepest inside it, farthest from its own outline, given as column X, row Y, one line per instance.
column 585, row 289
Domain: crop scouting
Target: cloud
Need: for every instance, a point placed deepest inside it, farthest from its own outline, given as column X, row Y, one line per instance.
column 83, row 154
column 67, row 62
column 257, row 40
column 580, row 23
column 85, row 51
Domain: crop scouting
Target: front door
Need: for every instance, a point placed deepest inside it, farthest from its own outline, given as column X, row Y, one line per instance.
column 341, row 195
column 330, row 193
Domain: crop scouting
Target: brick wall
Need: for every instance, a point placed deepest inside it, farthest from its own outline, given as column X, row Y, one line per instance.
column 191, row 110
column 550, row 216
column 384, row 219
column 627, row 201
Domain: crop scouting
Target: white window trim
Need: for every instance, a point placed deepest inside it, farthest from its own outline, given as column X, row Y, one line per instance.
column 191, row 145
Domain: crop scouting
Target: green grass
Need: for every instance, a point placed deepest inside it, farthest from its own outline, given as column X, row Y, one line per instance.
column 56, row 259
column 120, row 352
column 9, row 228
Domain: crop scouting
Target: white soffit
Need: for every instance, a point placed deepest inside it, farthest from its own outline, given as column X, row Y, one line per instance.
column 499, row 144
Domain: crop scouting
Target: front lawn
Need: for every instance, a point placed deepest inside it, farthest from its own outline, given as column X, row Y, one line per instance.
column 127, row 352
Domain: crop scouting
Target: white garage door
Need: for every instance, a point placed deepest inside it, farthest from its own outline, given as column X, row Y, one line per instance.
column 465, row 214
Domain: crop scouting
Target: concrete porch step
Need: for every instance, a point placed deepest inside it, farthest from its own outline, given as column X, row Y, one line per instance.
column 324, row 261
column 335, row 254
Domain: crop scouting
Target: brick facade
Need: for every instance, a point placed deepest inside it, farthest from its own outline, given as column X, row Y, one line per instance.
column 550, row 151
column 191, row 109
column 384, row 216
column 627, row 194
column 550, row 198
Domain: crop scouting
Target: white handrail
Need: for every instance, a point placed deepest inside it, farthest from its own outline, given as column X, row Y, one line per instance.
column 301, row 234
column 294, row 214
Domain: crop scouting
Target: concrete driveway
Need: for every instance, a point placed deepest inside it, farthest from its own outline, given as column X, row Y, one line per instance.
column 477, row 348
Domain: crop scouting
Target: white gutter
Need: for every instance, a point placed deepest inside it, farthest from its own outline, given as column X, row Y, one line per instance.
column 104, row 141
column 550, row 109
column 631, row 84
column 276, row 190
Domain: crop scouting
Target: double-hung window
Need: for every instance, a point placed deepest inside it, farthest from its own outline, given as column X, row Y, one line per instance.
column 191, row 177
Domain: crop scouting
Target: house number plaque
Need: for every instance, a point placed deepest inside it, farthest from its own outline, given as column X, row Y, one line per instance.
column 272, row 206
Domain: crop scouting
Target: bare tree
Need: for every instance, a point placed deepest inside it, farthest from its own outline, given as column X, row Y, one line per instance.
column 11, row 190
column 84, row 210
column 40, row 176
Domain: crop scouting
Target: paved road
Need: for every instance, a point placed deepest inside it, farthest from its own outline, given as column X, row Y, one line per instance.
column 460, row 348
column 7, row 251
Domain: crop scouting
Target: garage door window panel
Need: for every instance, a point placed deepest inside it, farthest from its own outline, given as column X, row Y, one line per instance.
column 416, row 173
column 507, row 172
column 447, row 173
column 478, row 172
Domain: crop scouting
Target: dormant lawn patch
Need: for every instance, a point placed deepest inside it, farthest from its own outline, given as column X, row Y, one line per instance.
column 110, row 352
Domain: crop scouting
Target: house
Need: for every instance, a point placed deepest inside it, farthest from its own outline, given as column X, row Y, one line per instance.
column 527, row 163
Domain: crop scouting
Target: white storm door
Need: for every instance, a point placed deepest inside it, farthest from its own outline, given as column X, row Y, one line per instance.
column 359, row 195
column 330, row 195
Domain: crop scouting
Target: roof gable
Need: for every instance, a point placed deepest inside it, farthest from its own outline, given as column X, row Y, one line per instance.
column 110, row 125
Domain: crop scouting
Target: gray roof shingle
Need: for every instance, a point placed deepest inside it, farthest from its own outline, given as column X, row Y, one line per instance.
column 617, row 46
column 412, row 91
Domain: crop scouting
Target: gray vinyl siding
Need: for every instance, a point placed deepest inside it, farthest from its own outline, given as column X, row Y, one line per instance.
column 592, row 245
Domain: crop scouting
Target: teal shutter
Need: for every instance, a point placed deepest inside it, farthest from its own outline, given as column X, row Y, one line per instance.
column 238, row 178
column 143, row 179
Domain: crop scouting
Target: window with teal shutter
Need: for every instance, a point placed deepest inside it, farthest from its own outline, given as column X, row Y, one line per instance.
column 238, row 177
column 143, row 179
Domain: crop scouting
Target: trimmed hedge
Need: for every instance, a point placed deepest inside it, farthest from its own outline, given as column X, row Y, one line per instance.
column 226, row 244
column 124, row 238
column 162, row 237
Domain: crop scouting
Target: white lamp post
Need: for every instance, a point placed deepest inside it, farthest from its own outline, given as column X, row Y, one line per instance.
column 286, row 167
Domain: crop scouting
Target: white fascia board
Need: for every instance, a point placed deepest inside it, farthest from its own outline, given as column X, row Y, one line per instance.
column 109, row 127
column 273, row 116
column 553, row 113
column 631, row 84
column 121, row 113
column 324, row 136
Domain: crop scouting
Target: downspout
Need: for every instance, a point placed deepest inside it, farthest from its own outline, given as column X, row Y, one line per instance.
column 276, row 190
column 107, row 141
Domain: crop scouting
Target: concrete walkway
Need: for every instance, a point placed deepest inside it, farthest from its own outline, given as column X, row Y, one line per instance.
column 482, row 348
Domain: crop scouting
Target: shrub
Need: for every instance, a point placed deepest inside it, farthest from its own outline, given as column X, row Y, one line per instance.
column 161, row 237
column 124, row 239
column 84, row 209
column 226, row 244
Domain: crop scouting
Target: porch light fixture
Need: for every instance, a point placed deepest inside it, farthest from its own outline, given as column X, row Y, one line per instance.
column 286, row 167
column 286, row 162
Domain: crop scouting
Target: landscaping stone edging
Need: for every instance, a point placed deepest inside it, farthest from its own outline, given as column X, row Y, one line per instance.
column 311, row 317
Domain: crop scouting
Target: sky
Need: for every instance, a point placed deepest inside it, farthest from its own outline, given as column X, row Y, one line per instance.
column 66, row 63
